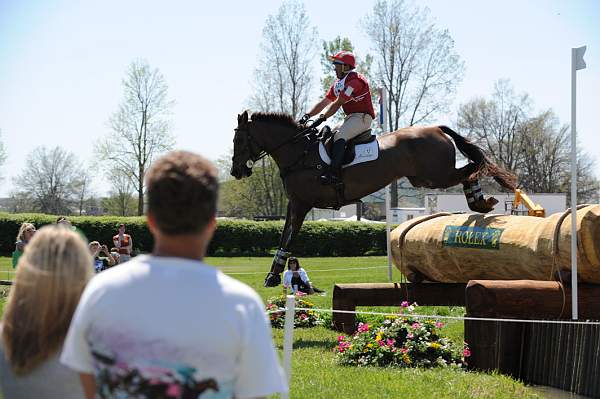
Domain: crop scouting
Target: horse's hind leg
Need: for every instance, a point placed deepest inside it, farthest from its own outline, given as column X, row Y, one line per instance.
column 475, row 199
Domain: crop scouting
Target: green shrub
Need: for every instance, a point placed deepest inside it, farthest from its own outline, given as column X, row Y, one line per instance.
column 232, row 237
column 98, row 228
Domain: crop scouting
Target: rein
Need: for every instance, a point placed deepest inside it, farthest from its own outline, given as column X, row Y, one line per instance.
column 263, row 153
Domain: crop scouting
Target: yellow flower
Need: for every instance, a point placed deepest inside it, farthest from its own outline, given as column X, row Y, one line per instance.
column 369, row 345
column 351, row 347
column 378, row 337
column 406, row 359
column 435, row 345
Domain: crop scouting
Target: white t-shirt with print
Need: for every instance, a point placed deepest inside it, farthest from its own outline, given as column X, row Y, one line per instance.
column 171, row 327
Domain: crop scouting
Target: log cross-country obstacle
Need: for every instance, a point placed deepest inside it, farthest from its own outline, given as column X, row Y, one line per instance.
column 348, row 296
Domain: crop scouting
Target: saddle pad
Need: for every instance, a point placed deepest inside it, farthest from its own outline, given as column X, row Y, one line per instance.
column 363, row 153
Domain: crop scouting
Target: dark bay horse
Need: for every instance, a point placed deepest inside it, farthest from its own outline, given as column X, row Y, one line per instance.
column 425, row 155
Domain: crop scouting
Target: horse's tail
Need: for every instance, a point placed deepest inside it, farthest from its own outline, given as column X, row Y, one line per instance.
column 483, row 166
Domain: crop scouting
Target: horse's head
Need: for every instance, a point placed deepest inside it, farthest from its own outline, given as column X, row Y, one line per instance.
column 244, row 152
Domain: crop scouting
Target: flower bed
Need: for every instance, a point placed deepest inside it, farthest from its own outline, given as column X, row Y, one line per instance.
column 401, row 341
column 303, row 318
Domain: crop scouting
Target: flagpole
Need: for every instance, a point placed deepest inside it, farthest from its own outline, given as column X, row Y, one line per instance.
column 388, row 200
column 577, row 62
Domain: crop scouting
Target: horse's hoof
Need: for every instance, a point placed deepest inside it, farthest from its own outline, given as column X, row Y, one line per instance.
column 491, row 201
column 272, row 280
column 484, row 206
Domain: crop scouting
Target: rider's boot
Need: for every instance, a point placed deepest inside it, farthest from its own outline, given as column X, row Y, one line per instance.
column 332, row 174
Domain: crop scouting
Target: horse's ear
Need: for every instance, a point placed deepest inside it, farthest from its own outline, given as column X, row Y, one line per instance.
column 243, row 118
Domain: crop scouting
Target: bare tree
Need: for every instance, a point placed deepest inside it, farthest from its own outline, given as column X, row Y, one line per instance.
column 415, row 63
column 498, row 123
column 83, row 191
column 140, row 126
column 120, row 201
column 50, row 180
column 283, row 79
column 536, row 148
column 283, row 82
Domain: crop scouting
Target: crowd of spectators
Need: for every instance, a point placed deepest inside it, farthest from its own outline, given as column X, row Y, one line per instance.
column 162, row 325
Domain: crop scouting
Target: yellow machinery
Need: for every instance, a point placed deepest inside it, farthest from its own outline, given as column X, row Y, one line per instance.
column 533, row 209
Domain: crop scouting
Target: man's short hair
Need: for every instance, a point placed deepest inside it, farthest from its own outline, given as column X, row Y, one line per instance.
column 182, row 192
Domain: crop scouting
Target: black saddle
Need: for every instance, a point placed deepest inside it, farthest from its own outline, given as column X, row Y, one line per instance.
column 363, row 138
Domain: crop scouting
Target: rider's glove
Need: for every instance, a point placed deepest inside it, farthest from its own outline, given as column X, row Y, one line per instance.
column 304, row 119
column 318, row 121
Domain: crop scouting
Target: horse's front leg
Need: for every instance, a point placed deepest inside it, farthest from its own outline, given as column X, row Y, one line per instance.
column 293, row 222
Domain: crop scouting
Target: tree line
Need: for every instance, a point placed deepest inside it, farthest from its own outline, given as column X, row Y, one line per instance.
column 410, row 56
column 416, row 62
column 55, row 181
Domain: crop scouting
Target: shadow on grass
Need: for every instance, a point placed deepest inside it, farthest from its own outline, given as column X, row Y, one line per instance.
column 309, row 344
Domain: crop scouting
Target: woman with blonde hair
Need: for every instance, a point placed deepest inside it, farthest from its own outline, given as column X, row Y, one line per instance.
column 50, row 278
column 25, row 235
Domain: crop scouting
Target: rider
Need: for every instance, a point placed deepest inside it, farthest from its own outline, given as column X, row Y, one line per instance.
column 351, row 92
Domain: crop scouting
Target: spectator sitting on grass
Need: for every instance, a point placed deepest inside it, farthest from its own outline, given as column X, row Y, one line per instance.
column 26, row 232
column 296, row 278
column 167, row 324
column 101, row 262
column 50, row 278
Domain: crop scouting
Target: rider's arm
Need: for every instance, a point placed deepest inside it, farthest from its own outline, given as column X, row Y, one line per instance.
column 319, row 107
column 333, row 108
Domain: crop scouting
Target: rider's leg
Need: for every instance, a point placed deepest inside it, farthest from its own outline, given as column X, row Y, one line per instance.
column 353, row 125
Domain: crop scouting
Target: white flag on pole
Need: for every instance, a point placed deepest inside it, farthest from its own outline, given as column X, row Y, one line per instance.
column 579, row 62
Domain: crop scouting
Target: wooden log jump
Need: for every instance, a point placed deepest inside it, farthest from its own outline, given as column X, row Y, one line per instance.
column 349, row 296
column 564, row 356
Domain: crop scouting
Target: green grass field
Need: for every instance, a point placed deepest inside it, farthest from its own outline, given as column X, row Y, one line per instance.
column 314, row 371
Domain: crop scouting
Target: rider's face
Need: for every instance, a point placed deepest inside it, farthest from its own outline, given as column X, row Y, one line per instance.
column 339, row 70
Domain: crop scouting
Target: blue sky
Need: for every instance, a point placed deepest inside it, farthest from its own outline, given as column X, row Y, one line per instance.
column 62, row 61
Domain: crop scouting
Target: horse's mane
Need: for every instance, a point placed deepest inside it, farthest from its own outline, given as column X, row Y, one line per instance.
column 278, row 118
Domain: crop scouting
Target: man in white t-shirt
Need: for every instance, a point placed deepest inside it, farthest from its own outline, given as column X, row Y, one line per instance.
column 168, row 325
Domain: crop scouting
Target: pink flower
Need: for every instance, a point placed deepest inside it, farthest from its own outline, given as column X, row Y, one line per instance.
column 390, row 342
column 404, row 304
column 300, row 293
column 404, row 350
column 174, row 391
column 394, row 350
column 410, row 336
column 303, row 316
column 341, row 338
column 381, row 343
column 466, row 352
column 363, row 327
column 439, row 324
column 416, row 325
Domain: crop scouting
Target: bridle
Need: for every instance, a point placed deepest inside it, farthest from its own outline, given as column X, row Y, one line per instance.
column 259, row 153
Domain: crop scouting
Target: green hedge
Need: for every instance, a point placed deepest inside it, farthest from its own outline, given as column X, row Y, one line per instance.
column 232, row 238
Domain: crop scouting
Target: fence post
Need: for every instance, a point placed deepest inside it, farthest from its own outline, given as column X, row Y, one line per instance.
column 288, row 340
